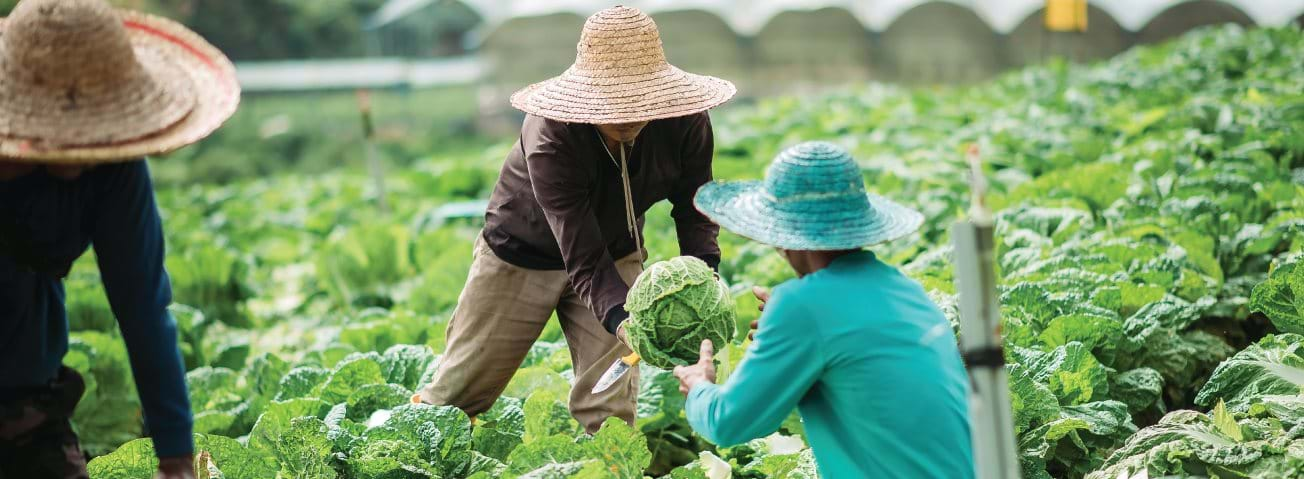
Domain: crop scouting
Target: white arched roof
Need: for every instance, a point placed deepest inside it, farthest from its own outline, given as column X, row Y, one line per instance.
column 747, row 17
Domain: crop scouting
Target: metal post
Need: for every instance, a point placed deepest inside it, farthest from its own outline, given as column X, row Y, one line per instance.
column 992, row 421
column 373, row 152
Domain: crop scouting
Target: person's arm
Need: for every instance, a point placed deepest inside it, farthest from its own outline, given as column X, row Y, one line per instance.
column 697, row 233
column 563, row 186
column 782, row 364
column 128, row 240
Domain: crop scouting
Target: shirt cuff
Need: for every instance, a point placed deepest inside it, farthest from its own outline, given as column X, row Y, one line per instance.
column 695, row 407
column 701, row 388
column 614, row 317
column 712, row 260
column 174, row 440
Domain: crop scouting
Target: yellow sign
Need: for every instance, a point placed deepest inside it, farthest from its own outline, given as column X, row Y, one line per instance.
column 1066, row 15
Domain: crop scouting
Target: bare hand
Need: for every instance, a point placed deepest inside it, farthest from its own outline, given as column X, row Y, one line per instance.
column 762, row 295
column 623, row 337
column 176, row 468
column 703, row 371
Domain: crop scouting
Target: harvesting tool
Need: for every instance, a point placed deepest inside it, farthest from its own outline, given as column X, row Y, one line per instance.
column 980, row 335
column 616, row 371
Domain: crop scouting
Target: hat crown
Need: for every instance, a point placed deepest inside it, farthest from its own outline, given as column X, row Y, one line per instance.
column 55, row 45
column 620, row 40
column 815, row 171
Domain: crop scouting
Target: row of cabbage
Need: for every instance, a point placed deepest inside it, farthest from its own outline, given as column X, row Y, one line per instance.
column 1151, row 225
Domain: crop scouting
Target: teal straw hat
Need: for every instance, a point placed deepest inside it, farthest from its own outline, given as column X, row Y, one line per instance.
column 813, row 199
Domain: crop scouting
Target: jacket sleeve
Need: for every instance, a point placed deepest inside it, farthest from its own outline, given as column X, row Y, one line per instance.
column 563, row 187
column 697, row 233
column 784, row 362
column 128, row 240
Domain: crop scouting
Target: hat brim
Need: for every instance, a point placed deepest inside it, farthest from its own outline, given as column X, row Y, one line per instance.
column 178, row 51
column 740, row 207
column 577, row 97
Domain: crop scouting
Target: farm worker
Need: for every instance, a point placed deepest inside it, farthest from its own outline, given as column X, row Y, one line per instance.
column 868, row 360
column 86, row 92
column 619, row 131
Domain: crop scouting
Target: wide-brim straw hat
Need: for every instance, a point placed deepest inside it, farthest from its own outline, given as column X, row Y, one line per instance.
column 621, row 75
column 813, row 198
column 82, row 83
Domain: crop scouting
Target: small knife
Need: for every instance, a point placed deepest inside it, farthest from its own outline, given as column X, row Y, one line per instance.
column 615, row 372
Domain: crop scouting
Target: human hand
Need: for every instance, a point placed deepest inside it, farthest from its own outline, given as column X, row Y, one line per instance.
column 763, row 295
column 182, row 467
column 702, row 371
column 623, row 337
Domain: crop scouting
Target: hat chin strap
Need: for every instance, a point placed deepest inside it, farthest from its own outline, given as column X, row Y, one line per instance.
column 629, row 201
column 631, row 219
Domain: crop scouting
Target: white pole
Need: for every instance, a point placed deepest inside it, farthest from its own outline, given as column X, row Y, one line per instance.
column 992, row 422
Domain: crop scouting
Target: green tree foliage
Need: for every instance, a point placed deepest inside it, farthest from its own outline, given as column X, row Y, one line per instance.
column 266, row 29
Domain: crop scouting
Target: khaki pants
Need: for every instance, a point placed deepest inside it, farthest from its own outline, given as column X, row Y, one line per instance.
column 501, row 313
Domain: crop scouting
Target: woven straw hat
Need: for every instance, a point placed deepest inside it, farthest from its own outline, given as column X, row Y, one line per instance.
column 621, row 75
column 81, row 82
column 813, row 199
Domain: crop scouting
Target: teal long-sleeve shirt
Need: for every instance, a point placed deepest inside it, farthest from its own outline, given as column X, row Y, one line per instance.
column 870, row 363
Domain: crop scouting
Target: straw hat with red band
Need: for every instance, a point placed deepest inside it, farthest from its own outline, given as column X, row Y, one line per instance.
column 81, row 83
column 621, row 75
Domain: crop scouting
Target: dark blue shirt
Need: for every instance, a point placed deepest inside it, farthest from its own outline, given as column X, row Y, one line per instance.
column 112, row 208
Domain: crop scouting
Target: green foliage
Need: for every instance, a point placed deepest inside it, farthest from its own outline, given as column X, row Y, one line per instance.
column 1275, row 365
column 621, row 449
column 800, row 465
column 363, row 266
column 136, row 460
column 436, row 440
column 85, row 304
column 271, row 431
column 370, row 398
column 1281, row 297
column 500, row 429
column 303, row 450
column 1187, row 442
column 529, row 381
column 301, row 382
column 546, row 415
column 673, row 306
column 404, row 364
column 1141, row 389
column 1149, row 208
column 109, row 413
column 349, row 375
column 211, row 275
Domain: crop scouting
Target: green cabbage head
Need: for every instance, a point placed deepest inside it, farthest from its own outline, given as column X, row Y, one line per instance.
column 673, row 306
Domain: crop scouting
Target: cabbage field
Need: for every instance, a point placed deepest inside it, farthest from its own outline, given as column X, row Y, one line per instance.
column 1150, row 230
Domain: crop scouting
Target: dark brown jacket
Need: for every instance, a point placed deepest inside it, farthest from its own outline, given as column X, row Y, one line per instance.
column 559, row 203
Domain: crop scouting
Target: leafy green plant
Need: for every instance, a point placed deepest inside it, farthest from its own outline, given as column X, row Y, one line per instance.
column 1213, row 445
column 1281, row 297
column 109, row 413
column 1274, row 365
column 136, row 460
column 1150, row 209
column 673, row 306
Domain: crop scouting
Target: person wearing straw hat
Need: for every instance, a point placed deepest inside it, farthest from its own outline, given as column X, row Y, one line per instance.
column 619, row 131
column 86, row 92
column 858, row 348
